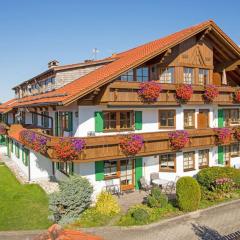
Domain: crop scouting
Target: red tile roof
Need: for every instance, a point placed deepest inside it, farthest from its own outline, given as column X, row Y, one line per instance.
column 7, row 106
column 123, row 62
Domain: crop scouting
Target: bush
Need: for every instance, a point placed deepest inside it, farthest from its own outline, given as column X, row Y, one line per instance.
column 140, row 213
column 73, row 198
column 207, row 176
column 157, row 199
column 188, row 194
column 107, row 204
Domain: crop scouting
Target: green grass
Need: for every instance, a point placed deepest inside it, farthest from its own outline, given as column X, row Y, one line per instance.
column 22, row 207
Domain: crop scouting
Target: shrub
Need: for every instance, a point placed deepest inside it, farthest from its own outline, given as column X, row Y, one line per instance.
column 73, row 198
column 107, row 204
column 157, row 199
column 188, row 194
column 206, row 177
column 140, row 213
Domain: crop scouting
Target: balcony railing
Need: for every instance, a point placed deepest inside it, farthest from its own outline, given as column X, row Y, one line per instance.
column 125, row 94
column 108, row 147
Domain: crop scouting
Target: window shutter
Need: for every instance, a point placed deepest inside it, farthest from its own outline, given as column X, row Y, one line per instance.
column 138, row 171
column 8, row 146
column 98, row 121
column 220, row 117
column 58, row 166
column 71, row 168
column 56, row 123
column 138, row 120
column 23, row 154
column 70, row 123
column 99, row 170
column 220, row 155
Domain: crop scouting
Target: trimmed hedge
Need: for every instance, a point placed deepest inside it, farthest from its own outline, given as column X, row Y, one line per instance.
column 207, row 176
column 188, row 194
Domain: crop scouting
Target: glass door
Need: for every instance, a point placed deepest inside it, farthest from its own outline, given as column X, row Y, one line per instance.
column 127, row 174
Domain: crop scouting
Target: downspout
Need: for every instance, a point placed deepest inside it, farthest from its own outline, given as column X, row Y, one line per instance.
column 29, row 168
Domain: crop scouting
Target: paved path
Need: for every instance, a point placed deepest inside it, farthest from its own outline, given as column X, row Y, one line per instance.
column 212, row 224
column 19, row 235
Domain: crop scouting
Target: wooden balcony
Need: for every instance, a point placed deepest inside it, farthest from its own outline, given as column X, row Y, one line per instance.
column 125, row 94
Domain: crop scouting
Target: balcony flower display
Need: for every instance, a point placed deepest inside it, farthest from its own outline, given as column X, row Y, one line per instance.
column 69, row 149
column 35, row 141
column 3, row 129
column 237, row 133
column 211, row 92
column 178, row 139
column 237, row 96
column 131, row 144
column 149, row 91
column 223, row 135
column 184, row 92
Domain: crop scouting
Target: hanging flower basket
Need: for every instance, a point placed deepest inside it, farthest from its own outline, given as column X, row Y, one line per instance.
column 178, row 139
column 69, row 149
column 3, row 129
column 184, row 92
column 223, row 135
column 237, row 133
column 35, row 141
column 131, row 144
column 211, row 92
column 237, row 96
column 149, row 91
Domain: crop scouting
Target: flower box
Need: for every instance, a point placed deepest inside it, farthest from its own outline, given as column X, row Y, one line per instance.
column 223, row 135
column 69, row 149
column 211, row 92
column 149, row 91
column 184, row 92
column 131, row 144
column 35, row 141
column 178, row 139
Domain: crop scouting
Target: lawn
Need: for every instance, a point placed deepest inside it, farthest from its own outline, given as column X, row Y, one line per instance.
column 22, row 207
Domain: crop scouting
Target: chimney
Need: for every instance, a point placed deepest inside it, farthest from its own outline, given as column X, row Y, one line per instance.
column 53, row 63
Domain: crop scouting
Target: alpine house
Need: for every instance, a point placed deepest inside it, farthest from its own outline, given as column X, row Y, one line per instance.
column 170, row 106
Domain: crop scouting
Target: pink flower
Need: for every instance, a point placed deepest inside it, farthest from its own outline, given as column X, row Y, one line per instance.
column 149, row 91
column 178, row 139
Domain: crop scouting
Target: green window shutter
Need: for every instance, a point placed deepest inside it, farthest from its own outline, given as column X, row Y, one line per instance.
column 220, row 118
column 70, row 123
column 23, row 154
column 98, row 121
column 8, row 146
column 138, row 120
column 220, row 155
column 2, row 140
column 99, row 170
column 58, row 165
column 138, row 172
column 56, row 123
column 27, row 157
column 71, row 168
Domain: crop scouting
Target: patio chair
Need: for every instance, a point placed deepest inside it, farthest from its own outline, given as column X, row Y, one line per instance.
column 171, row 186
column 153, row 176
column 112, row 188
column 144, row 186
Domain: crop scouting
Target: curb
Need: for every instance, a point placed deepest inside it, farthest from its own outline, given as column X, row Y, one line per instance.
column 162, row 222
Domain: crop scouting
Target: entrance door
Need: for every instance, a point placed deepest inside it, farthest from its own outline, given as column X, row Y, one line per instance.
column 203, row 118
column 127, row 174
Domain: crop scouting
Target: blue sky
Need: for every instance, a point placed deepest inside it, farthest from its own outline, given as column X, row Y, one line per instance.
column 34, row 32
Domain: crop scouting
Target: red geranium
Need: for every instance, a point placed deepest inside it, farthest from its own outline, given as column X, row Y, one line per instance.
column 223, row 135
column 131, row 144
column 211, row 92
column 178, row 139
column 3, row 129
column 149, row 91
column 237, row 133
column 237, row 96
column 184, row 92
column 65, row 152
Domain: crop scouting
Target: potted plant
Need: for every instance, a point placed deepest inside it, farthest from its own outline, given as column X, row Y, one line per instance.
column 131, row 144
column 223, row 135
column 3, row 129
column 69, row 149
column 178, row 139
column 184, row 92
column 211, row 92
column 149, row 91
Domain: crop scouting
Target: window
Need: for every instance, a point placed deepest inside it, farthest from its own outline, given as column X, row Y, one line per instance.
column 65, row 167
column 127, row 76
column 110, row 169
column 167, row 118
column 203, row 76
column 235, row 150
column 226, row 155
column 188, row 161
column 189, row 118
column 17, row 150
column 118, row 120
column 167, row 162
column 45, row 119
column 167, row 75
column 142, row 74
column 203, row 158
column 188, row 75
column 231, row 117
column 34, row 119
